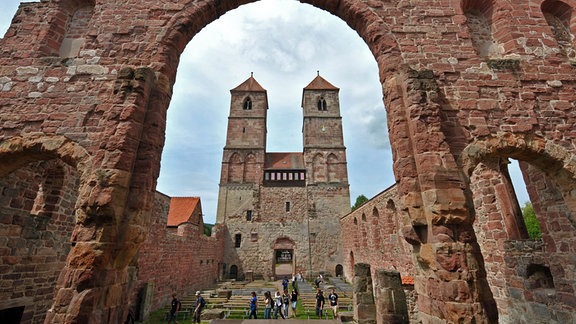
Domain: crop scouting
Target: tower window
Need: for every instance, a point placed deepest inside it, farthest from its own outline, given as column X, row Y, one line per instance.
column 287, row 206
column 322, row 104
column 248, row 215
column 237, row 240
column 248, row 104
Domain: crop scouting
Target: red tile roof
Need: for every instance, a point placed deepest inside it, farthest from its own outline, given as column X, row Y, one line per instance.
column 284, row 161
column 181, row 209
column 250, row 85
column 319, row 83
column 407, row 280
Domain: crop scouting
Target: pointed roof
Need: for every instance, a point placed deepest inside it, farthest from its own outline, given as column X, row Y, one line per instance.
column 319, row 83
column 284, row 161
column 181, row 209
column 250, row 85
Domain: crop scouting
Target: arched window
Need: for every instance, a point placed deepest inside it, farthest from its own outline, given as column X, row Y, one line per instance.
column 558, row 16
column 248, row 104
column 486, row 36
column 322, row 104
column 233, row 271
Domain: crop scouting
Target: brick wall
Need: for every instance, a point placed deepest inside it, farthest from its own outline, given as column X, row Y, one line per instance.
column 179, row 261
column 36, row 223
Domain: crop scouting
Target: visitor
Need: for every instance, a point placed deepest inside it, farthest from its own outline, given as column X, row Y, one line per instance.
column 294, row 300
column 333, row 298
column 200, row 303
column 318, row 281
column 253, row 305
column 285, row 283
column 285, row 302
column 278, row 305
column 300, row 277
column 174, row 308
column 319, row 303
column 267, row 304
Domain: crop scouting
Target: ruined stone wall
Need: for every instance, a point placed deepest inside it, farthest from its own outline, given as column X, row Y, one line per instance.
column 175, row 262
column 464, row 82
column 372, row 234
column 36, row 224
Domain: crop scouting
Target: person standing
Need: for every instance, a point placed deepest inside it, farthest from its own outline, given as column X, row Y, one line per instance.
column 319, row 303
column 294, row 300
column 333, row 298
column 278, row 305
column 285, row 302
column 200, row 303
column 285, row 283
column 268, row 304
column 253, row 305
column 174, row 309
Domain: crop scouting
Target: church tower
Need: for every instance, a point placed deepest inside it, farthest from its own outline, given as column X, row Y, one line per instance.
column 281, row 210
column 327, row 185
column 244, row 153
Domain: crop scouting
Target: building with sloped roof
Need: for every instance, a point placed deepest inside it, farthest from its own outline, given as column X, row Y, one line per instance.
column 282, row 209
column 185, row 210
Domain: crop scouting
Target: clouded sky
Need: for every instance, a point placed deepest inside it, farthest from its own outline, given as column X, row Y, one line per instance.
column 284, row 43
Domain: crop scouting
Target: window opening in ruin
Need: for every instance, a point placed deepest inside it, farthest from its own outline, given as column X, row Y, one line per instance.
column 248, row 104
column 287, row 206
column 248, row 215
column 12, row 315
column 254, row 237
column 355, row 221
column 363, row 217
column 237, row 240
column 558, row 16
column 322, row 104
column 539, row 277
column 529, row 219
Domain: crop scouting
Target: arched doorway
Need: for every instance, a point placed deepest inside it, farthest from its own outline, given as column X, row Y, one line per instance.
column 339, row 270
column 233, row 272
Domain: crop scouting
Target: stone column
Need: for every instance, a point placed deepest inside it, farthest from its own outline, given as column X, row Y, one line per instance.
column 391, row 304
column 363, row 297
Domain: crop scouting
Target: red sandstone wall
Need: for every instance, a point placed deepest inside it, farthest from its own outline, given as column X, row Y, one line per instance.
column 372, row 234
column 36, row 223
column 174, row 263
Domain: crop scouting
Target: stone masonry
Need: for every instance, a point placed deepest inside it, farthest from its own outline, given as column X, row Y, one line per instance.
column 467, row 85
column 281, row 209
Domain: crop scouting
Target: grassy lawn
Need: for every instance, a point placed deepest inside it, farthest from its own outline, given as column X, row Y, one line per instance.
column 159, row 315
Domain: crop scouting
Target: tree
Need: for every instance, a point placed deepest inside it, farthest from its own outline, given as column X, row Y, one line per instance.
column 208, row 229
column 359, row 201
column 531, row 221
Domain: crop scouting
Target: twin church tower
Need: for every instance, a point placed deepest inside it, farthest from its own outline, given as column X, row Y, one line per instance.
column 282, row 209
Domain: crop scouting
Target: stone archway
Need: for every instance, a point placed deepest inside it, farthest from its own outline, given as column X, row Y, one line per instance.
column 502, row 237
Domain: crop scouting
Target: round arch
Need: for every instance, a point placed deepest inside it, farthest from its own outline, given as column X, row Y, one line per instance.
column 184, row 26
column 498, row 223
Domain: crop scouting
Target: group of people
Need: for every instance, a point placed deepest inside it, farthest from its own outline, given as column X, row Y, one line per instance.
column 320, row 302
column 176, row 305
column 274, row 306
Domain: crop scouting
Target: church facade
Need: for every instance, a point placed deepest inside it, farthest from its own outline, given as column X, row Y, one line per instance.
column 282, row 209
